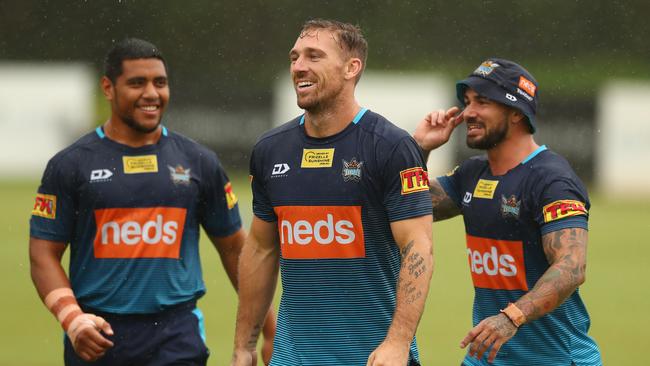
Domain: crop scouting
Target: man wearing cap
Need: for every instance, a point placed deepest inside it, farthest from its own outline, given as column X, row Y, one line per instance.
column 525, row 214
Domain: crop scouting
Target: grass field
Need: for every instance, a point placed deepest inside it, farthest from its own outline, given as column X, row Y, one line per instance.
column 616, row 292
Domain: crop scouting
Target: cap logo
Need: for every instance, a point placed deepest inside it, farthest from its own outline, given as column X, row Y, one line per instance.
column 527, row 85
column 486, row 68
column 511, row 97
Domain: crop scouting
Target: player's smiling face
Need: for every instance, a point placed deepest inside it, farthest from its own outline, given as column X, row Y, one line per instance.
column 317, row 68
column 487, row 121
column 139, row 96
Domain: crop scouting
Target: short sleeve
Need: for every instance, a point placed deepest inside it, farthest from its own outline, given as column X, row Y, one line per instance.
column 54, row 210
column 219, row 201
column 406, row 193
column 561, row 202
column 262, row 207
column 450, row 183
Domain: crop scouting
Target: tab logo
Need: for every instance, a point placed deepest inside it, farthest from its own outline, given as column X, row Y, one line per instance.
column 485, row 188
column 45, row 206
column 317, row 158
column 231, row 198
column 140, row 164
column 563, row 208
column 414, row 180
column 100, row 175
column 152, row 232
column 497, row 264
column 320, row 232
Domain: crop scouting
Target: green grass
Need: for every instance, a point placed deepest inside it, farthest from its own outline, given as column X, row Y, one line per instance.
column 616, row 293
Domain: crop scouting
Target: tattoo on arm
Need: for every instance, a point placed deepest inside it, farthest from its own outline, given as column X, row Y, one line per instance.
column 415, row 265
column 443, row 206
column 565, row 251
column 252, row 341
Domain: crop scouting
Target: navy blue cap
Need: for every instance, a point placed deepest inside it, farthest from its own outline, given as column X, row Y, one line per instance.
column 504, row 82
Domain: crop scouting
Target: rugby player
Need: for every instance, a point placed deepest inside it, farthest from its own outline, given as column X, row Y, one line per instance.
column 341, row 204
column 525, row 214
column 128, row 198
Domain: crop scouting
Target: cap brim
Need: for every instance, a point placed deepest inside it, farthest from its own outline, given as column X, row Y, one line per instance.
column 493, row 91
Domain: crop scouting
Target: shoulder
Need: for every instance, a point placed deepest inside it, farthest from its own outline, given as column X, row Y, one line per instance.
column 549, row 165
column 382, row 129
column 277, row 134
column 474, row 163
column 77, row 151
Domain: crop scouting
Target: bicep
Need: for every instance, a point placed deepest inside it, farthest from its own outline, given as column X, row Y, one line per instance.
column 443, row 206
column 409, row 231
column 568, row 246
column 45, row 250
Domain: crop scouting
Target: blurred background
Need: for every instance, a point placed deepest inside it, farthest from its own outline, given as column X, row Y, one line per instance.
column 228, row 66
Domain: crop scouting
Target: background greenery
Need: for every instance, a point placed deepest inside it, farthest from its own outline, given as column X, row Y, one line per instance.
column 616, row 291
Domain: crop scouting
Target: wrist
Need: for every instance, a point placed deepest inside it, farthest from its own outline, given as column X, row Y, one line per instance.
column 63, row 305
column 515, row 315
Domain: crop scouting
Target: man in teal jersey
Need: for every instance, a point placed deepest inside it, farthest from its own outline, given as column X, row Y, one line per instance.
column 129, row 199
column 341, row 204
column 525, row 214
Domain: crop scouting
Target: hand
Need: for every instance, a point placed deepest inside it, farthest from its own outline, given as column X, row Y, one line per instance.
column 268, row 331
column 389, row 354
column 493, row 331
column 436, row 128
column 85, row 333
column 243, row 357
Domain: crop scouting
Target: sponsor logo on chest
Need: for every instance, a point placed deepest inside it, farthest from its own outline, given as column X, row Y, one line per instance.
column 319, row 232
column 151, row 232
column 140, row 164
column 317, row 158
column 485, row 188
column 100, row 176
column 496, row 264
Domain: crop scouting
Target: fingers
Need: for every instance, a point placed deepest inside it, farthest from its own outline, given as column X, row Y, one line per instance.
column 103, row 325
column 471, row 335
column 371, row 359
column 495, row 349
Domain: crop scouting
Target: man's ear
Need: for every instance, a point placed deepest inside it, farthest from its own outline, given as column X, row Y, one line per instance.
column 353, row 67
column 107, row 87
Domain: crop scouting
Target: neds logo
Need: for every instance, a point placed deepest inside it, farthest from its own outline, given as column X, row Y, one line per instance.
column 496, row 264
column 309, row 232
column 154, row 232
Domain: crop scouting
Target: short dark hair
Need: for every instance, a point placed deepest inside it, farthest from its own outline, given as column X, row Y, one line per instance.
column 349, row 37
column 129, row 49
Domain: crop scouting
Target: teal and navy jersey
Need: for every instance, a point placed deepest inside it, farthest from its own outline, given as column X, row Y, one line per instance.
column 333, row 200
column 505, row 218
column 132, row 216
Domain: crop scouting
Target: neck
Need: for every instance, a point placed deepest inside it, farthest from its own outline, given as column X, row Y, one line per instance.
column 118, row 131
column 509, row 153
column 330, row 119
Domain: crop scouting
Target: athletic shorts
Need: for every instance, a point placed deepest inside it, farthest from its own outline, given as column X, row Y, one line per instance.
column 174, row 336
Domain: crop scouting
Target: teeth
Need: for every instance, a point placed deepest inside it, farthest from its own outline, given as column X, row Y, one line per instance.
column 149, row 108
column 303, row 84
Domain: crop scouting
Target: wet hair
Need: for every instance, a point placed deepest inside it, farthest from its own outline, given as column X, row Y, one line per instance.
column 129, row 49
column 348, row 36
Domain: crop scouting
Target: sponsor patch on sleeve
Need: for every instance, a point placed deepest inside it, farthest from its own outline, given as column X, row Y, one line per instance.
column 563, row 208
column 45, row 206
column 231, row 199
column 414, row 180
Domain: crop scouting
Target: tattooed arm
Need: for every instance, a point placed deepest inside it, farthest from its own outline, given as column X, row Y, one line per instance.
column 413, row 236
column 257, row 274
column 443, row 206
column 566, row 252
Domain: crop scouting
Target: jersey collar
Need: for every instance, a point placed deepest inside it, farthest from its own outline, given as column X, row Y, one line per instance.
column 533, row 154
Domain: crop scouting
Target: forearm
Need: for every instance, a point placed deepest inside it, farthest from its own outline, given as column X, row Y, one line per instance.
column 412, row 289
column 566, row 250
column 258, row 270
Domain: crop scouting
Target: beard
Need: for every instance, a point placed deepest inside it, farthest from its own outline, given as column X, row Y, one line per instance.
column 133, row 124
column 492, row 138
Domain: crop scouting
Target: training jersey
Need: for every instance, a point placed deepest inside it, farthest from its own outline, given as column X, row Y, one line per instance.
column 505, row 217
column 132, row 216
column 333, row 200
